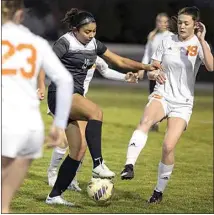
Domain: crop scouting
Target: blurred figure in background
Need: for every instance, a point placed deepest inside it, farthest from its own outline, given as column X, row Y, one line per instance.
column 40, row 19
column 154, row 39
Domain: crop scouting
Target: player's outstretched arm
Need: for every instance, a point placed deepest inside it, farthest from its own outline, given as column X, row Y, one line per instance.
column 112, row 74
column 126, row 63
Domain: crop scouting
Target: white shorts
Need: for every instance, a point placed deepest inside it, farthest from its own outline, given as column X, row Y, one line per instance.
column 173, row 109
column 25, row 143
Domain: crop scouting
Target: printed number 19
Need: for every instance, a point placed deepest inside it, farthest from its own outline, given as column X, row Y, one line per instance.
column 192, row 50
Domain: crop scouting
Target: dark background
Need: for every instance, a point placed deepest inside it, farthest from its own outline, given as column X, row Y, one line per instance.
column 118, row 21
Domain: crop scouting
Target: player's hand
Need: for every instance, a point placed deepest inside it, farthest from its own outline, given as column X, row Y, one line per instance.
column 160, row 77
column 200, row 31
column 131, row 77
column 153, row 66
column 140, row 74
column 41, row 93
column 56, row 136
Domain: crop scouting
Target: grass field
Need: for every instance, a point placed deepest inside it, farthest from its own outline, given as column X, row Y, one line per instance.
column 190, row 189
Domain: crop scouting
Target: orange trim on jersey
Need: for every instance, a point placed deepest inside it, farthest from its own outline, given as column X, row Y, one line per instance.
column 156, row 96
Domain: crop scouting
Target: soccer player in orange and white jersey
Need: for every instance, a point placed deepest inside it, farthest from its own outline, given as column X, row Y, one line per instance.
column 23, row 56
column 181, row 55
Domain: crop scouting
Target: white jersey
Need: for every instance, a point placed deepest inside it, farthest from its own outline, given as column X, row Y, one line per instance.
column 153, row 44
column 181, row 62
column 104, row 70
column 100, row 64
column 23, row 56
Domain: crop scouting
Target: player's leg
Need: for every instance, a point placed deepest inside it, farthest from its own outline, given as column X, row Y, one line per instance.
column 175, row 128
column 58, row 152
column 57, row 155
column 6, row 163
column 84, row 109
column 152, row 84
column 20, row 145
column 74, row 184
column 69, row 166
column 76, row 136
column 153, row 113
column 16, row 169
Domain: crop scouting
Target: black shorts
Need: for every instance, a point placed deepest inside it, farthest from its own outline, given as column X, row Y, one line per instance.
column 52, row 104
column 52, row 101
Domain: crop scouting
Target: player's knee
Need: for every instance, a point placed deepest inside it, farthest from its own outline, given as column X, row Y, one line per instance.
column 83, row 148
column 145, row 124
column 168, row 148
column 97, row 114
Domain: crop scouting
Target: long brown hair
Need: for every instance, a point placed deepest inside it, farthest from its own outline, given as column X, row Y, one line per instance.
column 194, row 12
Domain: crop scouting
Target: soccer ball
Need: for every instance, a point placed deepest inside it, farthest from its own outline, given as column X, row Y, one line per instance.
column 100, row 190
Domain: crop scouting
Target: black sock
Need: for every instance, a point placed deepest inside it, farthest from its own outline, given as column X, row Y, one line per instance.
column 66, row 174
column 93, row 134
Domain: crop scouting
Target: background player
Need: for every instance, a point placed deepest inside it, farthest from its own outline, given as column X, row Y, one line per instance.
column 154, row 39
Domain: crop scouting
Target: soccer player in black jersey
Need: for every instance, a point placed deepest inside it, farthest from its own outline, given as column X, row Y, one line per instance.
column 78, row 50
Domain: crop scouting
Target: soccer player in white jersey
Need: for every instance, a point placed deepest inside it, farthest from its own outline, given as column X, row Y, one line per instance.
column 181, row 55
column 23, row 55
column 154, row 39
column 60, row 151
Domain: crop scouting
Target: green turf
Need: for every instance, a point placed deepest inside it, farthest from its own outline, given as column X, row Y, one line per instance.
column 190, row 189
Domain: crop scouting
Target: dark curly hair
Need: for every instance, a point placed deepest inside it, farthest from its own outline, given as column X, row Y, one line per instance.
column 77, row 18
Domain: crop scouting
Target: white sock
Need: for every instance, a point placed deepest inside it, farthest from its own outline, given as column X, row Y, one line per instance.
column 57, row 156
column 164, row 173
column 136, row 144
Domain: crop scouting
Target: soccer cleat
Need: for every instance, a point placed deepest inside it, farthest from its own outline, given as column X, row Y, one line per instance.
column 128, row 172
column 52, row 176
column 58, row 200
column 74, row 185
column 156, row 197
column 102, row 171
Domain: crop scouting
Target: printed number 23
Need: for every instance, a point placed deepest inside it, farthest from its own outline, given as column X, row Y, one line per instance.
column 192, row 50
column 11, row 51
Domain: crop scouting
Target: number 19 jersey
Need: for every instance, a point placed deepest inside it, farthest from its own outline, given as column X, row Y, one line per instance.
column 181, row 61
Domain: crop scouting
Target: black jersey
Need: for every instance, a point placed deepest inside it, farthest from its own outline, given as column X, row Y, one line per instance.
column 77, row 58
